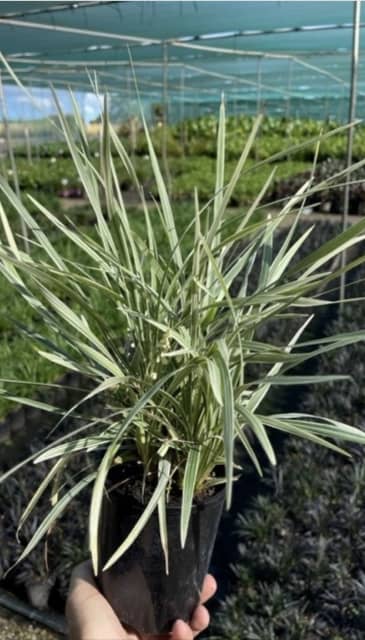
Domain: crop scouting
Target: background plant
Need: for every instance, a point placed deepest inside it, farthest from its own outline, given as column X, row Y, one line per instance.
column 301, row 542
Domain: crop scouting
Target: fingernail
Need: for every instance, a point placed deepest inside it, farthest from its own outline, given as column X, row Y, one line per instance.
column 181, row 630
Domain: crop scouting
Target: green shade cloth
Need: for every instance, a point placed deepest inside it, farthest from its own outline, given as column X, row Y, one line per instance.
column 312, row 77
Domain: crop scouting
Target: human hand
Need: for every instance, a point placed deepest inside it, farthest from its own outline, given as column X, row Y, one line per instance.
column 90, row 616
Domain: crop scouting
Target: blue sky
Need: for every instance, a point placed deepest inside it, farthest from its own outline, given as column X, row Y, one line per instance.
column 20, row 107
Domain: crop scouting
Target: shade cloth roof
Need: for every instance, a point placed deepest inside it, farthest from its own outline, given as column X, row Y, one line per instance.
column 293, row 55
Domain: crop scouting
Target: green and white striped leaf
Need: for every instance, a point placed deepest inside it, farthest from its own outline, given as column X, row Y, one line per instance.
column 58, row 466
column 222, row 360
column 188, row 490
column 324, row 426
column 215, row 380
column 249, row 450
column 259, row 430
column 32, row 402
column 96, row 502
column 220, row 166
column 293, row 429
column 83, row 444
column 233, row 181
column 165, row 203
column 54, row 514
column 352, row 235
column 162, row 519
column 262, row 391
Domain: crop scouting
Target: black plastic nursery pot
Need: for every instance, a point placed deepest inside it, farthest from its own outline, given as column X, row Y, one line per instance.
column 141, row 593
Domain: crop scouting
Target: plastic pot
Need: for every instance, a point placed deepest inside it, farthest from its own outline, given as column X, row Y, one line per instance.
column 141, row 593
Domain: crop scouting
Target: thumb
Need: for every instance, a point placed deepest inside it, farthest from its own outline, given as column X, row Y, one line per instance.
column 89, row 615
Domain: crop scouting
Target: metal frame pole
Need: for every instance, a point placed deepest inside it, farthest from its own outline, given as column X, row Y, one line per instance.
column 36, row 138
column 182, row 109
column 290, row 76
column 259, row 79
column 28, row 145
column 128, row 87
column 343, row 106
column 350, row 137
column 326, row 104
column 165, row 118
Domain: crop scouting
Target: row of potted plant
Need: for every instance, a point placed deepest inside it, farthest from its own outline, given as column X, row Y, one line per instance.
column 196, row 137
column 60, row 180
column 327, row 200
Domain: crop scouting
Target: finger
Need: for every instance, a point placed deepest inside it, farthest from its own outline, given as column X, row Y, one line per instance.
column 181, row 631
column 209, row 588
column 83, row 587
column 88, row 613
column 200, row 620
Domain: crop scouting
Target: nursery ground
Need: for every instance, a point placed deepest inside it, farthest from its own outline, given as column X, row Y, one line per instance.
column 13, row 627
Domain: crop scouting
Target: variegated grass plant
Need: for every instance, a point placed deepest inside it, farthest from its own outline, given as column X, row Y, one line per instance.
column 174, row 375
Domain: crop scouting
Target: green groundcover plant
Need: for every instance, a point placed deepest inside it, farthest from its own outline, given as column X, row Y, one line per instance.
column 174, row 373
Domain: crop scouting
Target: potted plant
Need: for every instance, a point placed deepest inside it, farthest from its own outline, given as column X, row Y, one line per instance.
column 146, row 313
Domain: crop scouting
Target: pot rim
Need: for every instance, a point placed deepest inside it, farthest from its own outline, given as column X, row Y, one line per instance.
column 201, row 502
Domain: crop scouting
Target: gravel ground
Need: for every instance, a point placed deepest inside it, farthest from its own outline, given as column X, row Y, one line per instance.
column 13, row 627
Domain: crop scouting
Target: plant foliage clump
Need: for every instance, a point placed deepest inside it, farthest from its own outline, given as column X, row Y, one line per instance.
column 174, row 373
